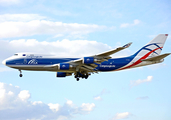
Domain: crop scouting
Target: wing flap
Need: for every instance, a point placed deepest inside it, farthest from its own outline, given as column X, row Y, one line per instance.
column 88, row 67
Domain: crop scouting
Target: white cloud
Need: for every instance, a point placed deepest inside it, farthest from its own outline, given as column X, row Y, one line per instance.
column 123, row 115
column 135, row 22
column 103, row 92
column 87, row 107
column 37, row 102
column 19, row 25
column 54, row 106
column 137, row 82
column 20, row 17
column 62, row 118
column 97, row 98
column 69, row 102
column 61, row 48
column 15, row 105
column 9, row 2
column 24, row 95
column 2, row 93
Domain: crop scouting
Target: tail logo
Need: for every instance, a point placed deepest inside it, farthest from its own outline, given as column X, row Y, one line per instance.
column 145, row 48
column 145, row 56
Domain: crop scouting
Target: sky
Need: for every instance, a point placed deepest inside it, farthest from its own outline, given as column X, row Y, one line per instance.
column 82, row 28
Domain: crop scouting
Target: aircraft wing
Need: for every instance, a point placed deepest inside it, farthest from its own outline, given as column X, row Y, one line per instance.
column 99, row 58
column 80, row 64
column 105, row 55
column 114, row 50
column 157, row 58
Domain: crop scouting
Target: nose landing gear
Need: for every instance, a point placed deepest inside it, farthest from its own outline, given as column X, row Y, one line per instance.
column 21, row 75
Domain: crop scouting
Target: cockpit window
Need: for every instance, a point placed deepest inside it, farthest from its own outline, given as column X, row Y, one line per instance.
column 15, row 54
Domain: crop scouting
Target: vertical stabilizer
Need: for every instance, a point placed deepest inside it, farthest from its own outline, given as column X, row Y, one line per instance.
column 154, row 47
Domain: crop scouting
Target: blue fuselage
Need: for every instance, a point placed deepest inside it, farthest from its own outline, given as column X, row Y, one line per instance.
column 110, row 65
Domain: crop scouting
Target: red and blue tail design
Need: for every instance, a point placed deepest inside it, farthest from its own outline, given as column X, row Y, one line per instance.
column 151, row 49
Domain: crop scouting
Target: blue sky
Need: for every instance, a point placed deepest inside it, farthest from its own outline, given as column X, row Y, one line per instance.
column 81, row 28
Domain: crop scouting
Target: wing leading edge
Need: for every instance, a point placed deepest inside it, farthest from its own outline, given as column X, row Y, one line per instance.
column 114, row 50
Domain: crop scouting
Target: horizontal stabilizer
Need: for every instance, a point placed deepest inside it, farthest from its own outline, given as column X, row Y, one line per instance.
column 157, row 58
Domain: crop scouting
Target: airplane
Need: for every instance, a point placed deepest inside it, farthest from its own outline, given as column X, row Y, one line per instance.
column 85, row 66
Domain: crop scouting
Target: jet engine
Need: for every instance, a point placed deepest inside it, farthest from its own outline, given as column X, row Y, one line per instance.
column 88, row 60
column 62, row 74
column 64, row 66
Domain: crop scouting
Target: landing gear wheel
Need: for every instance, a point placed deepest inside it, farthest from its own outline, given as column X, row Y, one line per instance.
column 77, row 79
column 21, row 75
column 86, row 77
column 76, row 76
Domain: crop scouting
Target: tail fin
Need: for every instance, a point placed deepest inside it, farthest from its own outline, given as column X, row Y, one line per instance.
column 154, row 47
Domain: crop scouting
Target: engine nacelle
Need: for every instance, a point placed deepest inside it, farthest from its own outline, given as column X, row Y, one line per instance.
column 62, row 74
column 64, row 66
column 88, row 60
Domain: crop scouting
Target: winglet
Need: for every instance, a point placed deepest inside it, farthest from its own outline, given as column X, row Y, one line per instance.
column 127, row 45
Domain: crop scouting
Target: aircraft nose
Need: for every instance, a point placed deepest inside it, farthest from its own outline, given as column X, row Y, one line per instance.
column 4, row 62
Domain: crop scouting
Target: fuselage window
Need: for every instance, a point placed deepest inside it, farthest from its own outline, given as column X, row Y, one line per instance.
column 24, row 54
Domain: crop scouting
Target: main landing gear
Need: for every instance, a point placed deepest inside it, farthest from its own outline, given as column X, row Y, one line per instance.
column 79, row 75
column 21, row 75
